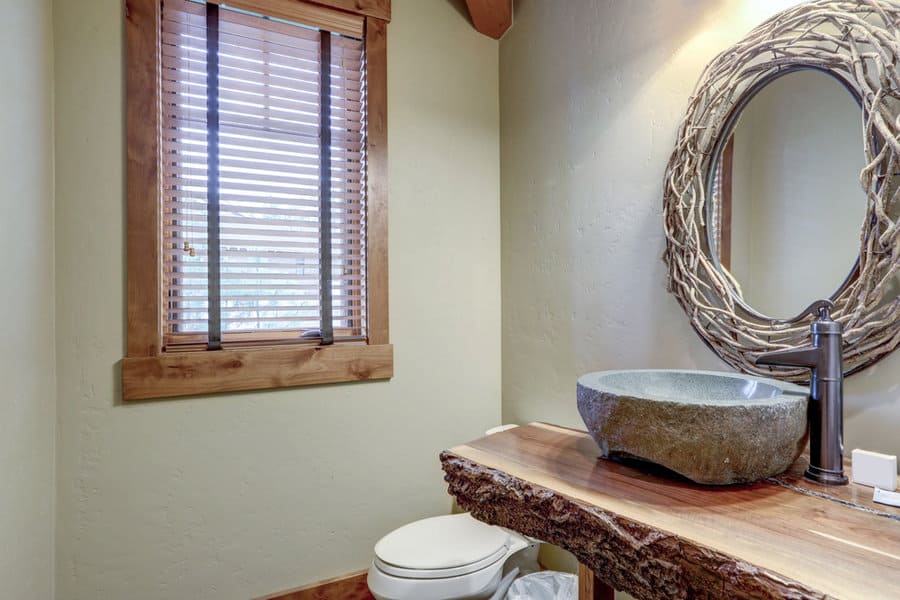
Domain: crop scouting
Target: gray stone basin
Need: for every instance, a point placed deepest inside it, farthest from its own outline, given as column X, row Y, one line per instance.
column 713, row 428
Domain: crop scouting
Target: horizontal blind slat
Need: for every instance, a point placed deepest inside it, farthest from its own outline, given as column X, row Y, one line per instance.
column 186, row 143
column 252, row 287
column 236, row 166
column 300, row 183
column 248, row 278
column 290, row 126
column 270, row 141
column 277, row 192
column 250, row 91
column 298, row 173
column 259, row 245
column 341, row 241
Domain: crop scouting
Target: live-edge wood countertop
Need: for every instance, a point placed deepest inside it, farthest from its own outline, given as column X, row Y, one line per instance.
column 661, row 537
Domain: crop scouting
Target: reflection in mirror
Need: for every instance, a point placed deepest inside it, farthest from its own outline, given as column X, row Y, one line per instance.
column 787, row 206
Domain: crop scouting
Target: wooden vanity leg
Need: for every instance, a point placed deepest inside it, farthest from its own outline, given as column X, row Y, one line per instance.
column 591, row 588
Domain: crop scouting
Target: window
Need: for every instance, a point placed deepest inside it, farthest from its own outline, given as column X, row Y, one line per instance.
column 256, row 195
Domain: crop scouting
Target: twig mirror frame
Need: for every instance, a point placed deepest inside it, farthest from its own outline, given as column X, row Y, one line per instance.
column 858, row 43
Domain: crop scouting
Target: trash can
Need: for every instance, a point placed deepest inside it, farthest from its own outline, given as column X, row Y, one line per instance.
column 544, row 585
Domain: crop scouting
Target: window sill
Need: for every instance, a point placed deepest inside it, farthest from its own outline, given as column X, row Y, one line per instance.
column 197, row 373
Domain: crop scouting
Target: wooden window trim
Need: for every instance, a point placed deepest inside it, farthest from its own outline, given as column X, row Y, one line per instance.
column 147, row 371
column 325, row 17
column 378, row 9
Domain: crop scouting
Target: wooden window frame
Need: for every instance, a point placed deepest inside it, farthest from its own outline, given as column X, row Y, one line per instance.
column 148, row 371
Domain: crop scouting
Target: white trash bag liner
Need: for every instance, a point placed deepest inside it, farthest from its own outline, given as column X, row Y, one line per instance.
column 544, row 585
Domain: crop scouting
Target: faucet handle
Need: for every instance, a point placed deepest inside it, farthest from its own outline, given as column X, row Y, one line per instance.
column 821, row 309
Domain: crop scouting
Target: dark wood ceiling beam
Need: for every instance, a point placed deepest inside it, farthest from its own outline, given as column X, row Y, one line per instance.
column 491, row 17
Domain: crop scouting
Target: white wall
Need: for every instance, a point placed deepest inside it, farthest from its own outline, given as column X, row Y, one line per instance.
column 591, row 96
column 239, row 495
column 26, row 336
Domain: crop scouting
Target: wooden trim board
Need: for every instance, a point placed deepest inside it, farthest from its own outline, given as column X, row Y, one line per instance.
column 354, row 587
column 194, row 373
column 377, row 182
column 379, row 9
column 142, row 50
column 349, row 587
column 303, row 12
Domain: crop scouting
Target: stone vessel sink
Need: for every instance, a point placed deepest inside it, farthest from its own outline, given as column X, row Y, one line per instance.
column 713, row 428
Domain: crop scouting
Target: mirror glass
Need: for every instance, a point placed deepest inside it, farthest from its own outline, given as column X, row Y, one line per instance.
column 787, row 207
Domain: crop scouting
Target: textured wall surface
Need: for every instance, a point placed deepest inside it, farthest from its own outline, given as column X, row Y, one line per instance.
column 27, row 404
column 591, row 94
column 239, row 495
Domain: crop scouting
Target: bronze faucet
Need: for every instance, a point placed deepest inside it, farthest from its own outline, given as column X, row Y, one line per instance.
column 826, row 392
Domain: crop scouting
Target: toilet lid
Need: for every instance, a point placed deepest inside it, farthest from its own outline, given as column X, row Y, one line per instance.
column 441, row 543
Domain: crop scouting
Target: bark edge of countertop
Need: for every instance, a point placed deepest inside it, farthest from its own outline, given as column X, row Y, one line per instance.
column 627, row 555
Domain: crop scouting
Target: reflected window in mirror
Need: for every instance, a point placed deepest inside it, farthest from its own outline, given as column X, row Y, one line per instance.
column 721, row 207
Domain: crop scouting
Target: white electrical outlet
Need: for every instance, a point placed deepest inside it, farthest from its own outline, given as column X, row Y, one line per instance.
column 874, row 469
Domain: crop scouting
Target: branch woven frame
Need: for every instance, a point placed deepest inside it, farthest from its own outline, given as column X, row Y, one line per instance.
column 858, row 42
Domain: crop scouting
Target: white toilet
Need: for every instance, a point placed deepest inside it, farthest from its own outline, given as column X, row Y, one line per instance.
column 453, row 557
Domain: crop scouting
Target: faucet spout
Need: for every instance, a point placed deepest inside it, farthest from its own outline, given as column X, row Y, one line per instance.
column 826, row 393
column 808, row 356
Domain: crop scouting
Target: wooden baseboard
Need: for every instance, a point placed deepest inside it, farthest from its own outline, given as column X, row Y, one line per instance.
column 349, row 587
column 353, row 587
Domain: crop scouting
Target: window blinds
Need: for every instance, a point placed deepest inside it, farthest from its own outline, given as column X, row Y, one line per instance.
column 263, row 166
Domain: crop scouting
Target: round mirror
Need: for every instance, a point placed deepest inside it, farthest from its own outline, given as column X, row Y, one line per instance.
column 786, row 206
column 814, row 186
